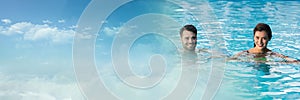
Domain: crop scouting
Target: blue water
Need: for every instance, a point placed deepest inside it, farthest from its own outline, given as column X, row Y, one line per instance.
column 224, row 26
column 260, row 81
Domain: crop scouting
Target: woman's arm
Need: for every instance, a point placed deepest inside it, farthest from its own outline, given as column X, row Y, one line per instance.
column 288, row 59
column 236, row 56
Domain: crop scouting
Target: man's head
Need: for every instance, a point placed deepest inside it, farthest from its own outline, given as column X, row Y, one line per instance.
column 188, row 37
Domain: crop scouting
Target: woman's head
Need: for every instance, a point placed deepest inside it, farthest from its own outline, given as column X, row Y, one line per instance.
column 262, row 34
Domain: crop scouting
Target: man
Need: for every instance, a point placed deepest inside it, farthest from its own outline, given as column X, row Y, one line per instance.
column 188, row 37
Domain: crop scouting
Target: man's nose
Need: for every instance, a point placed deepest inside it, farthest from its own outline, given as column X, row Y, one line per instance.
column 190, row 40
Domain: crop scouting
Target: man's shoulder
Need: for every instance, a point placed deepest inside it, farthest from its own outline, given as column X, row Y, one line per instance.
column 197, row 50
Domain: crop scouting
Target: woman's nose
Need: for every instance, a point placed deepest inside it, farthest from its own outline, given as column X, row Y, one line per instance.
column 260, row 40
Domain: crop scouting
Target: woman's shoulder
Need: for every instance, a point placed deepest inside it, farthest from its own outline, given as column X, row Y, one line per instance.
column 277, row 54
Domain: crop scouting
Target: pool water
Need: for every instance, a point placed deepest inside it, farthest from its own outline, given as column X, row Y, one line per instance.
column 244, row 80
column 250, row 80
column 226, row 27
column 260, row 81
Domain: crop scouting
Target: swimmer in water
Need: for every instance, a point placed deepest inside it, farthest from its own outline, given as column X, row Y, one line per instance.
column 188, row 37
column 262, row 34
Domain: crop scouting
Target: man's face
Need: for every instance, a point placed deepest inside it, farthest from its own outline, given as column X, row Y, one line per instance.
column 188, row 40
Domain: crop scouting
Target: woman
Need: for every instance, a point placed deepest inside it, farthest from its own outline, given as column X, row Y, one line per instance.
column 262, row 34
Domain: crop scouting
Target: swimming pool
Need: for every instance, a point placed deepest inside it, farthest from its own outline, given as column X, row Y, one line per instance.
column 225, row 26
column 260, row 81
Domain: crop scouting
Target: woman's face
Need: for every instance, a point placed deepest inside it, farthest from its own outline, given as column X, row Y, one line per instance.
column 261, row 39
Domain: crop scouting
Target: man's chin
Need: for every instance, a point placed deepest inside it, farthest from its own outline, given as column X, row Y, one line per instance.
column 190, row 49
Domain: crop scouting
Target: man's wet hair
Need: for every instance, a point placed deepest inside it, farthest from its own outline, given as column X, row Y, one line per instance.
column 190, row 28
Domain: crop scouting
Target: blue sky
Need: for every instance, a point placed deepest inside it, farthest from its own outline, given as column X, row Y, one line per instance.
column 37, row 33
column 38, row 10
column 36, row 45
column 36, row 49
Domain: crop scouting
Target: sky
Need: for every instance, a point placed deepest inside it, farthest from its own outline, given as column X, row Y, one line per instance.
column 36, row 49
column 34, row 32
column 36, row 38
column 37, row 11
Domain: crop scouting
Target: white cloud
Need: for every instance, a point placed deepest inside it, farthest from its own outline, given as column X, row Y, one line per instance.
column 28, row 87
column 85, row 36
column 111, row 31
column 73, row 27
column 6, row 21
column 85, row 33
column 103, row 22
column 61, row 21
column 35, row 32
column 39, row 32
column 127, row 31
column 47, row 21
column 18, row 28
column 1, row 29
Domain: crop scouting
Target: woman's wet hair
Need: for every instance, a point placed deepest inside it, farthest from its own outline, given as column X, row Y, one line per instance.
column 190, row 28
column 263, row 27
